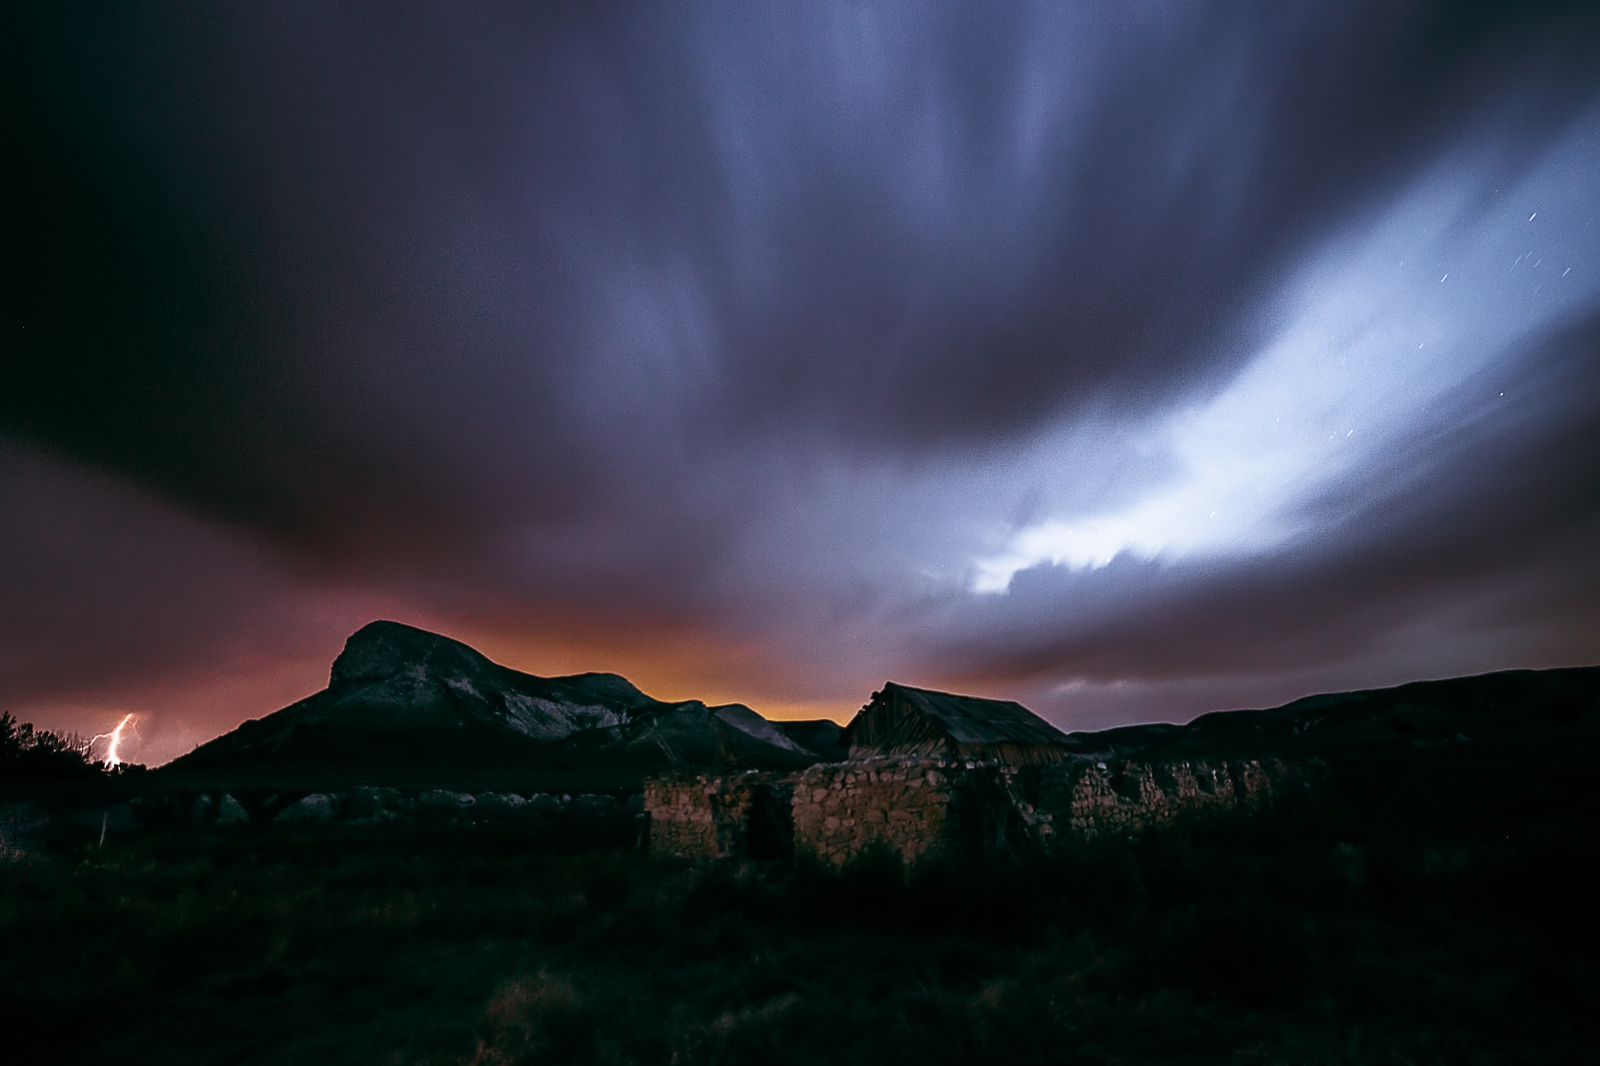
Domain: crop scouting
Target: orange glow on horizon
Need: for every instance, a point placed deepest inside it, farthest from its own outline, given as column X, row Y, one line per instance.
column 675, row 666
column 174, row 713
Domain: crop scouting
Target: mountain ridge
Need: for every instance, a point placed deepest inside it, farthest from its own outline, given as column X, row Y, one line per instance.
column 1502, row 703
column 402, row 702
column 404, row 705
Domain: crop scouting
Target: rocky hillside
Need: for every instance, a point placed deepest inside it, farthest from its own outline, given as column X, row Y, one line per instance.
column 1511, row 707
column 406, row 706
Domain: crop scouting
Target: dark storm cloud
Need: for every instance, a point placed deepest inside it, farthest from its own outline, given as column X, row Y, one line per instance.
column 98, row 581
column 769, row 323
column 252, row 238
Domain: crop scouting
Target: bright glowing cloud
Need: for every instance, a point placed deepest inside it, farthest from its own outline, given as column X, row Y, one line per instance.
column 1381, row 332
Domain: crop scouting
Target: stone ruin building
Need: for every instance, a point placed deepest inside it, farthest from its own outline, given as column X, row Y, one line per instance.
column 901, row 721
column 930, row 772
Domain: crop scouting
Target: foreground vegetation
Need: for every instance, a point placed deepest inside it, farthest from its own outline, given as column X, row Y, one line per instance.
column 1434, row 919
column 29, row 754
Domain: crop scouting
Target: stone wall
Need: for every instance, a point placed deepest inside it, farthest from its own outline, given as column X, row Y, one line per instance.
column 842, row 808
column 718, row 816
column 919, row 805
column 1087, row 798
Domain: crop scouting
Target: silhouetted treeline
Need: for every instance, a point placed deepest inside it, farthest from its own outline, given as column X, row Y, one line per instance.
column 38, row 755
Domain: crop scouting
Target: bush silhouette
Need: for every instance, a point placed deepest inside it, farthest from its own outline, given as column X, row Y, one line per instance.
column 38, row 755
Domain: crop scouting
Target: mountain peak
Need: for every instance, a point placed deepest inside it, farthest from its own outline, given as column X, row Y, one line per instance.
column 404, row 703
column 382, row 649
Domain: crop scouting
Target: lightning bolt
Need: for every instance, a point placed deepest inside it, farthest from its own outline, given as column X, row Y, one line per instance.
column 114, row 741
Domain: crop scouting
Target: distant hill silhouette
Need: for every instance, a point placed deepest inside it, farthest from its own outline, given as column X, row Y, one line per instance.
column 1512, row 705
column 407, row 706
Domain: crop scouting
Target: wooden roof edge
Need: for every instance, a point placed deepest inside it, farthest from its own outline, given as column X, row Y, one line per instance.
column 1009, row 718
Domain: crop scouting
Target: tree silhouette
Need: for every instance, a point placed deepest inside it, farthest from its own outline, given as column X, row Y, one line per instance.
column 36, row 755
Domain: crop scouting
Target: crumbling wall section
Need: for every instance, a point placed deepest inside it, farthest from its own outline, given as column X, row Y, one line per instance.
column 919, row 805
column 719, row 816
column 691, row 816
column 1086, row 798
column 840, row 809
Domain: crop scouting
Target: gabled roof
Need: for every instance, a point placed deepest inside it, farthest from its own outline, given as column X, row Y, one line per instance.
column 973, row 720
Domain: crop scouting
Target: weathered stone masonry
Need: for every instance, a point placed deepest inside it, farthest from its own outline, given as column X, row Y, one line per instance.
column 1086, row 798
column 906, row 804
column 715, row 816
column 916, row 806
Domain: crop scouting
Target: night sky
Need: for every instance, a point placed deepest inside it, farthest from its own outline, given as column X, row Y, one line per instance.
column 1129, row 360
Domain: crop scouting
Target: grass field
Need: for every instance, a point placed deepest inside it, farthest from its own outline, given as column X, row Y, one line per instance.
column 1429, row 921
